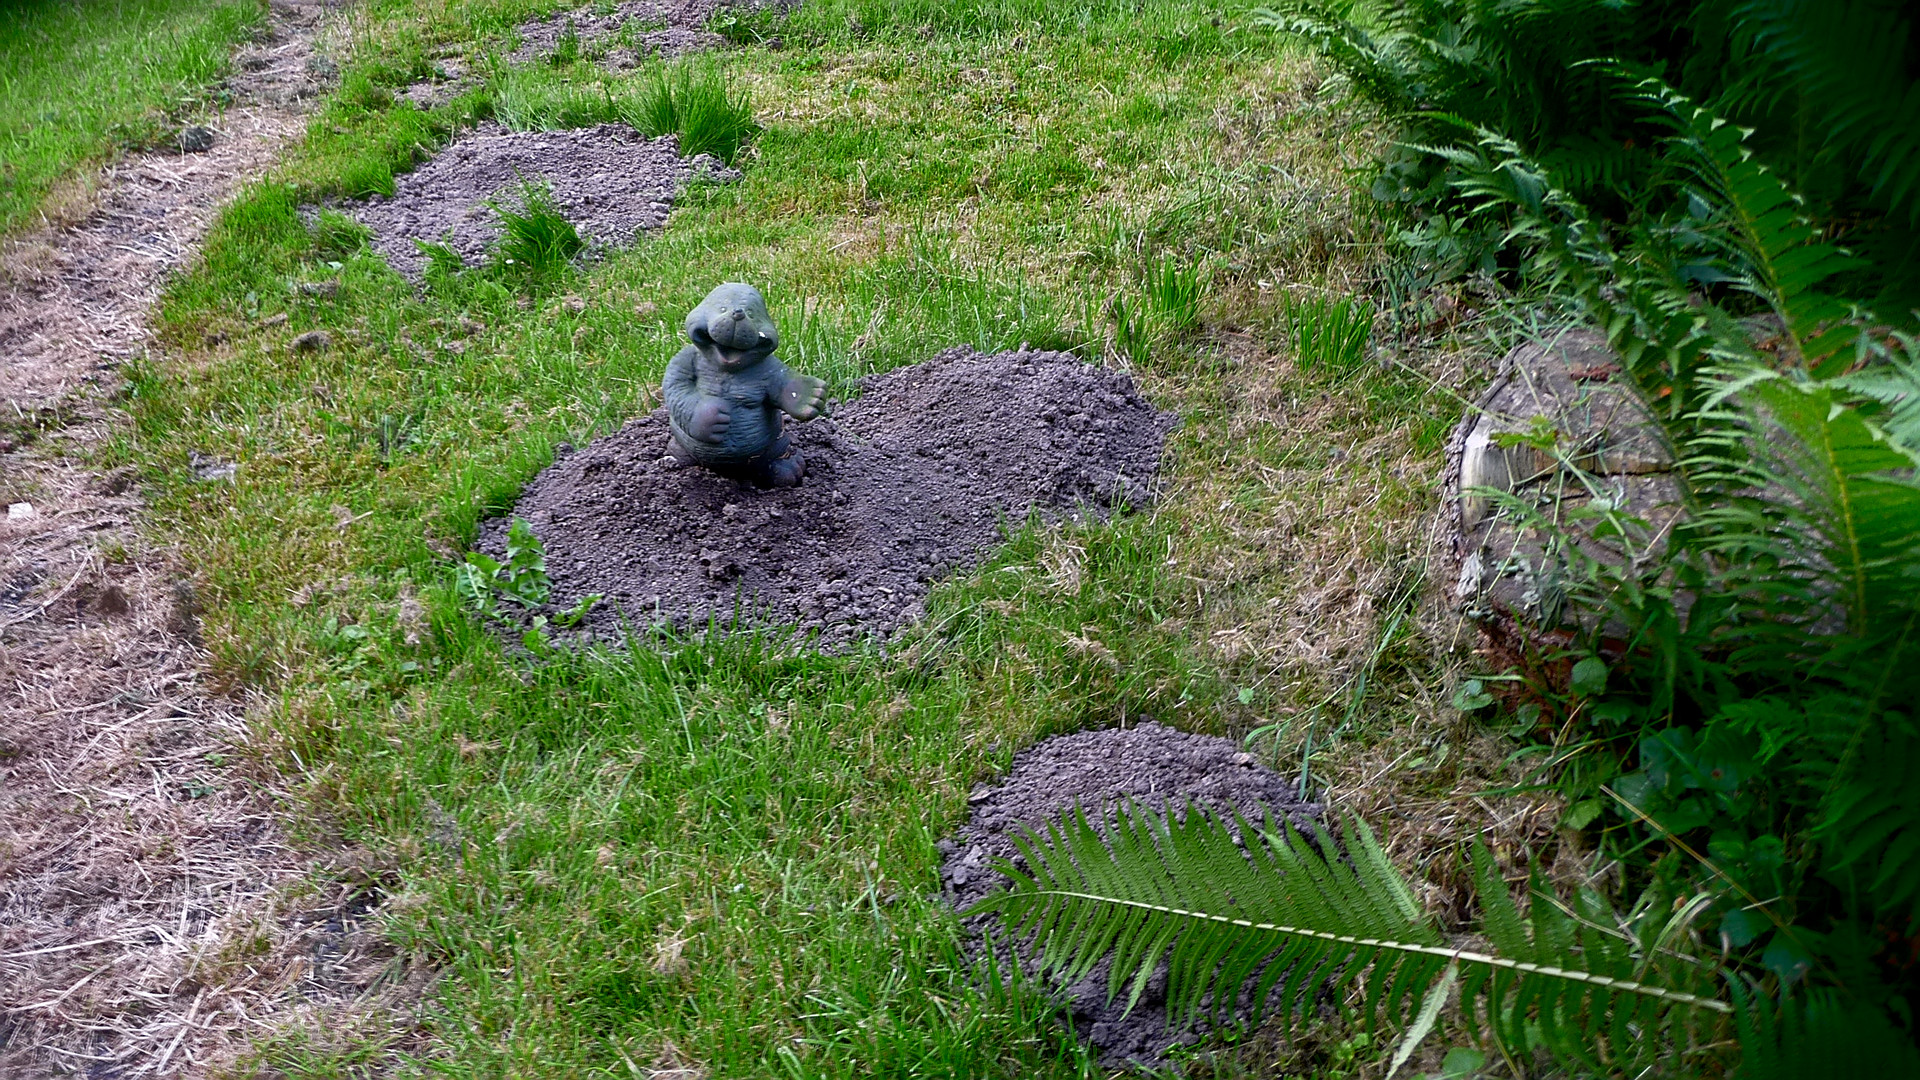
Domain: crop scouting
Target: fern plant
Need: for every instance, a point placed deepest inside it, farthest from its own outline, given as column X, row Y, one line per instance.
column 1235, row 910
column 1830, row 90
column 1766, row 679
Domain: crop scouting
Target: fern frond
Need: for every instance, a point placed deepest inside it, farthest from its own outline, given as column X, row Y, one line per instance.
column 1284, row 916
column 1871, row 825
column 1828, row 494
column 1895, row 386
column 1851, row 63
column 1380, row 68
column 1786, row 262
column 1819, row 1037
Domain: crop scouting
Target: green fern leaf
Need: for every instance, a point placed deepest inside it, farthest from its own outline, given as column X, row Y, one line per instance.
column 1280, row 917
column 1895, row 387
column 1822, row 1037
column 1842, row 503
column 1786, row 263
column 1851, row 63
column 1871, row 825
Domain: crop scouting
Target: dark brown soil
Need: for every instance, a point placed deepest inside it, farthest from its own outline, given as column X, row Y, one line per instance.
column 1149, row 763
column 609, row 180
column 909, row 482
column 663, row 27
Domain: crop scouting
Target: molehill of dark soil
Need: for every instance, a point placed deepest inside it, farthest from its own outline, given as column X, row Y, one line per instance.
column 1149, row 763
column 609, row 180
column 663, row 27
column 908, row 482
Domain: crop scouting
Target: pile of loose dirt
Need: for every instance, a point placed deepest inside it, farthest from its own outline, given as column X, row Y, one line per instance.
column 641, row 28
column 1150, row 764
column 609, row 180
column 908, row 482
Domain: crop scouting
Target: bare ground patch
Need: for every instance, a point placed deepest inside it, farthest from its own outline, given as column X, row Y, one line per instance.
column 147, row 924
column 609, row 180
column 907, row 483
column 620, row 37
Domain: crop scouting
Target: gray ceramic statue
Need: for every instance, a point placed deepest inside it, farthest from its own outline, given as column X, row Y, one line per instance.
column 726, row 392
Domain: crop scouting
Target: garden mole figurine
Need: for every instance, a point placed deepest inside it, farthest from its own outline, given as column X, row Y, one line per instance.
column 726, row 391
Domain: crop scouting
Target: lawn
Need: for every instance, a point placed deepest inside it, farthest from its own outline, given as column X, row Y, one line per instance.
column 83, row 81
column 718, row 853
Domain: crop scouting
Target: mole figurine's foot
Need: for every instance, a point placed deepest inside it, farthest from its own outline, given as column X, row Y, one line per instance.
column 784, row 472
column 675, row 456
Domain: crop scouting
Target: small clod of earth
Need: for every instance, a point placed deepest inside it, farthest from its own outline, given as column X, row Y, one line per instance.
column 609, row 180
column 313, row 341
column 195, row 139
column 1149, row 764
column 913, row 480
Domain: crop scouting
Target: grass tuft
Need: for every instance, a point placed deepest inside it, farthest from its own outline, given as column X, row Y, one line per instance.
column 537, row 243
column 1175, row 291
column 1329, row 333
column 528, row 99
column 700, row 107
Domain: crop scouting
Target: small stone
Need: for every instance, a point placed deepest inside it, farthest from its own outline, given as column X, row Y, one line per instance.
column 730, row 512
column 278, row 318
column 325, row 290
column 196, row 139
column 211, row 469
column 20, row 511
column 1245, row 760
column 313, row 341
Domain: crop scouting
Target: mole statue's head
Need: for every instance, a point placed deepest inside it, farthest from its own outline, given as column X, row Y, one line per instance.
column 731, row 326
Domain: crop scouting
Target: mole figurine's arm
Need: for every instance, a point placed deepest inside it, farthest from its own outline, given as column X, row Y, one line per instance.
column 799, row 396
column 703, row 418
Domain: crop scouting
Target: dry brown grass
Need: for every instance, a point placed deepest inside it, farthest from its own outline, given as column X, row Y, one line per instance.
column 154, row 917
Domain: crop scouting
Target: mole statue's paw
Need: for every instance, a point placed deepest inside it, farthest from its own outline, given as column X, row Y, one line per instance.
column 802, row 397
column 711, row 419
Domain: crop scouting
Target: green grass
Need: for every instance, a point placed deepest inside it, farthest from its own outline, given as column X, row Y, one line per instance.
column 721, row 852
column 1330, row 332
column 691, row 99
column 537, row 242
column 81, row 80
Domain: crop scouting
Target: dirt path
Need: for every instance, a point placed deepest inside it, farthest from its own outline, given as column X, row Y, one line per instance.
column 144, row 929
